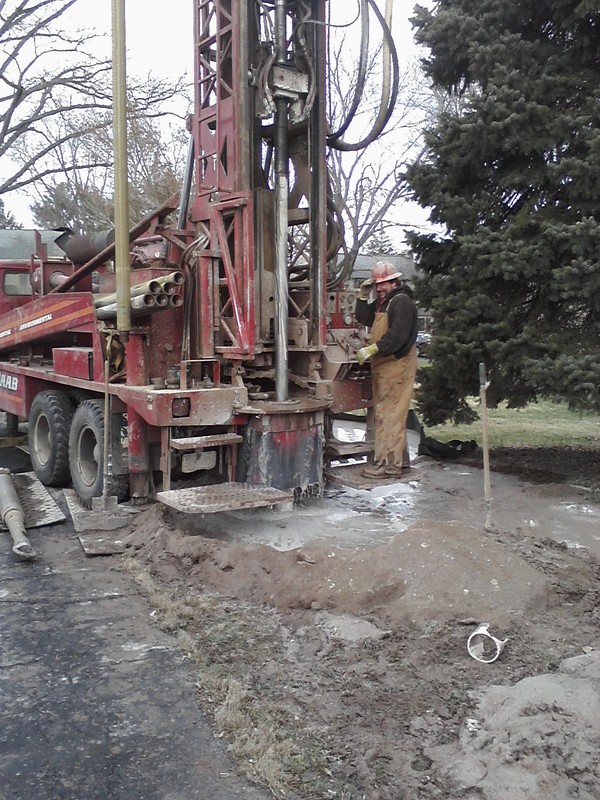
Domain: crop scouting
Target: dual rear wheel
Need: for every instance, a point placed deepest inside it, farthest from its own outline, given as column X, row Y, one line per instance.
column 66, row 444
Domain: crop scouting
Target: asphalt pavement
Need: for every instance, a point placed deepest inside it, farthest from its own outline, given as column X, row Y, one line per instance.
column 96, row 703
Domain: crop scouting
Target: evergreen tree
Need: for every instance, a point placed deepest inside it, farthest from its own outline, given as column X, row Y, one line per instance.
column 379, row 244
column 7, row 221
column 513, row 173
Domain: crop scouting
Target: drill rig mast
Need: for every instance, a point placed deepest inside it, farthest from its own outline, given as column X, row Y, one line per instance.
column 261, row 277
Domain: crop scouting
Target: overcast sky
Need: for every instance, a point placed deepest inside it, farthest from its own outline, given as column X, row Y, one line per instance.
column 161, row 43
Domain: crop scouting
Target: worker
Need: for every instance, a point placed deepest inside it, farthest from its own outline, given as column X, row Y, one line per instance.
column 392, row 319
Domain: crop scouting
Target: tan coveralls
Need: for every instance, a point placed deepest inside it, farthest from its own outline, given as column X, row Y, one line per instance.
column 392, row 380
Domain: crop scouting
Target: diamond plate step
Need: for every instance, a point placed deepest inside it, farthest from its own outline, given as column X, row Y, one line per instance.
column 199, row 442
column 223, row 497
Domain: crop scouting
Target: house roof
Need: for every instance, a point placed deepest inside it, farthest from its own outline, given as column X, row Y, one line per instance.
column 20, row 245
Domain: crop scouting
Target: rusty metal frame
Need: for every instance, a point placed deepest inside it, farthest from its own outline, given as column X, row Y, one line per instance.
column 232, row 231
column 216, row 88
column 223, row 203
column 228, row 159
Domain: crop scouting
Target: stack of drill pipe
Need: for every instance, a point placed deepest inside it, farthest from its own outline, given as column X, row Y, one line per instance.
column 147, row 297
column 140, row 289
column 140, row 305
column 12, row 516
column 153, row 286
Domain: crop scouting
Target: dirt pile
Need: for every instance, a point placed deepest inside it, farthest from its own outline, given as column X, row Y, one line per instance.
column 537, row 739
column 434, row 571
column 339, row 633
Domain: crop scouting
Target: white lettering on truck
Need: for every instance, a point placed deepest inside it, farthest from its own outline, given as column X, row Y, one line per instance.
column 33, row 322
column 10, row 382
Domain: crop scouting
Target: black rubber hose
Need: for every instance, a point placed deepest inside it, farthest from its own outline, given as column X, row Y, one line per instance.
column 362, row 73
column 382, row 119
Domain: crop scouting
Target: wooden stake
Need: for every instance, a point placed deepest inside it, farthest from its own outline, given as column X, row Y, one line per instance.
column 483, row 385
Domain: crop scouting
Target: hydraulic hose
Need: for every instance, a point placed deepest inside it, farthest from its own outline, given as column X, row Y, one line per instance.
column 362, row 73
column 388, row 99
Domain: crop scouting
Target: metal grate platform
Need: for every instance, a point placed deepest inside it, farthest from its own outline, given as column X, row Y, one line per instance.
column 223, row 497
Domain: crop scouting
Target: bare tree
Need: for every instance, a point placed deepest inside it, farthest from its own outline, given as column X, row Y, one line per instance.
column 82, row 199
column 368, row 184
column 49, row 75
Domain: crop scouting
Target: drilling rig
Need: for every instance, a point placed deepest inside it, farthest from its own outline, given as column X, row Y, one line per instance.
column 242, row 337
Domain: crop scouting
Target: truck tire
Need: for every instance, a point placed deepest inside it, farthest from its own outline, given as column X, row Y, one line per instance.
column 49, row 424
column 86, row 456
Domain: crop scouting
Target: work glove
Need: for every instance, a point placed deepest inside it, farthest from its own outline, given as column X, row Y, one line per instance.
column 366, row 352
column 365, row 289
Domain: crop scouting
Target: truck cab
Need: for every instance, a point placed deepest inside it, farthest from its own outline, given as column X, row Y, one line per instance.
column 15, row 285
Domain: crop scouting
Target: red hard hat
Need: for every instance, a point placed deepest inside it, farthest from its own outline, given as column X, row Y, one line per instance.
column 384, row 271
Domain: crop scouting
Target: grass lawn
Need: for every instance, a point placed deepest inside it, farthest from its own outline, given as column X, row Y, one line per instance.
column 542, row 424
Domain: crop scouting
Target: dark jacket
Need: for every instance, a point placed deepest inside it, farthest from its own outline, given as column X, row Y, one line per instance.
column 402, row 322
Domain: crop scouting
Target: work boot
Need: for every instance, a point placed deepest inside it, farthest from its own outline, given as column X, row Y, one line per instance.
column 396, row 470
column 376, row 470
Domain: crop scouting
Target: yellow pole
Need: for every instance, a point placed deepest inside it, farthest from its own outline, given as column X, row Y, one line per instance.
column 120, row 156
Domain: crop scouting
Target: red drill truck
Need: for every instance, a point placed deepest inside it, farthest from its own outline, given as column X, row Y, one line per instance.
column 242, row 336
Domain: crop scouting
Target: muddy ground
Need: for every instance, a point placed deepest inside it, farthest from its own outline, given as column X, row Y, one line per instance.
column 328, row 642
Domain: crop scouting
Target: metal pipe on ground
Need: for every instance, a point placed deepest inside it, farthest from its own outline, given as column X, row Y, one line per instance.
column 12, row 516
